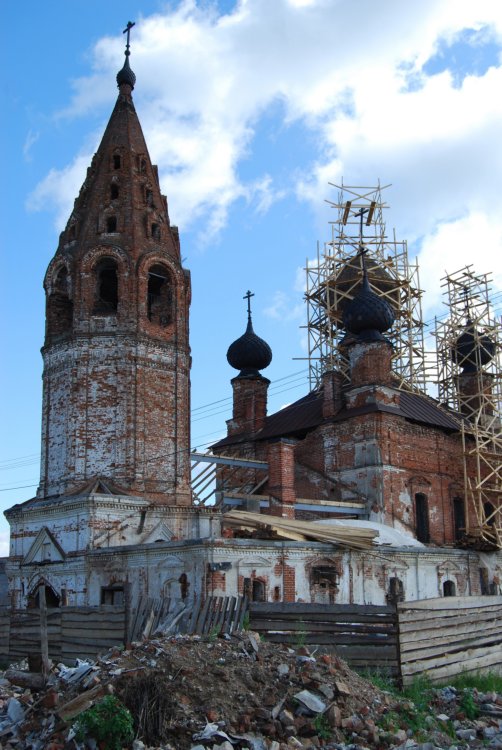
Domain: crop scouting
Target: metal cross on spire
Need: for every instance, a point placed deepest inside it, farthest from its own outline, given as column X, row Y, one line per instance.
column 248, row 296
column 127, row 31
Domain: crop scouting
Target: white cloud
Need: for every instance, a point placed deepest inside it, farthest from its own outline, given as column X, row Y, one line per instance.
column 345, row 80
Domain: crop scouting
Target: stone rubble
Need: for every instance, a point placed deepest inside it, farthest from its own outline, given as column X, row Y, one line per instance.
column 192, row 693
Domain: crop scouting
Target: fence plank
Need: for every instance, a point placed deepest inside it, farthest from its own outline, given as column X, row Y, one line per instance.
column 443, row 640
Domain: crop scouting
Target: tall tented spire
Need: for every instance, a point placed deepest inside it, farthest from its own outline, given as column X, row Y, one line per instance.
column 116, row 353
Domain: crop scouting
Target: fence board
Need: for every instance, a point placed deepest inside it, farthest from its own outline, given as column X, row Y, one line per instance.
column 450, row 636
column 363, row 635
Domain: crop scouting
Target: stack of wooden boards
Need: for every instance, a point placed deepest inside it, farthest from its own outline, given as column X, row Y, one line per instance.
column 275, row 527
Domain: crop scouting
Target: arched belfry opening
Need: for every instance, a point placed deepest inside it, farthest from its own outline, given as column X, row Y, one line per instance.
column 59, row 306
column 160, row 296
column 106, row 276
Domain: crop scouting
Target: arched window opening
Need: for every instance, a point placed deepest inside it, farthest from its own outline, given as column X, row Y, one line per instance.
column 395, row 593
column 111, row 224
column 114, row 191
column 422, row 517
column 60, row 306
column 156, row 231
column 160, row 296
column 459, row 518
column 142, row 166
column 106, row 287
column 72, row 232
column 52, row 600
column 449, row 588
column 324, row 584
column 149, row 197
column 117, row 161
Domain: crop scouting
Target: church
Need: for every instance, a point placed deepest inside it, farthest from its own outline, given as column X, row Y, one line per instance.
column 116, row 516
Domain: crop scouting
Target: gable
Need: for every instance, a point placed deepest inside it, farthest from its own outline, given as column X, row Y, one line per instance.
column 44, row 549
column 160, row 533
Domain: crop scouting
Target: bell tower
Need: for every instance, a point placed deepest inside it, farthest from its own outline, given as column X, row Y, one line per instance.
column 116, row 381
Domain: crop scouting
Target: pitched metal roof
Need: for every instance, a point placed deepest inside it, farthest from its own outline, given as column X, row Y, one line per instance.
column 297, row 419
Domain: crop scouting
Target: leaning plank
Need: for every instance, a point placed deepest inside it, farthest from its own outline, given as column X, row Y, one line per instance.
column 443, row 639
column 81, row 703
column 471, row 655
column 457, row 647
column 432, row 624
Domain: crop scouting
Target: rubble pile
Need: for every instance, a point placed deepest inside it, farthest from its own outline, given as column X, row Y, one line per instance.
column 192, row 693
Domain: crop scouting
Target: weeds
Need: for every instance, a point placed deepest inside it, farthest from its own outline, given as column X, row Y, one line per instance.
column 491, row 682
column 322, row 727
column 109, row 722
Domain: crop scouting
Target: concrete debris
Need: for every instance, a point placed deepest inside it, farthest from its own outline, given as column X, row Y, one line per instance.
column 193, row 693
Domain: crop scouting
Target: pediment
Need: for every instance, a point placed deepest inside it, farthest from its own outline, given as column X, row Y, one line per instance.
column 45, row 549
column 160, row 533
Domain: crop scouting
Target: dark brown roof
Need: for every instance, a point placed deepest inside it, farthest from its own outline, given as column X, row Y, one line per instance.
column 297, row 419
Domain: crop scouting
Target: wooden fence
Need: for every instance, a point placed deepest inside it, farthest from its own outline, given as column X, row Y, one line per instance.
column 363, row 635
column 84, row 632
column 217, row 614
column 441, row 637
column 444, row 637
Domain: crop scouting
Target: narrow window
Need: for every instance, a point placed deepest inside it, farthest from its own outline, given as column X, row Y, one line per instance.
column 422, row 517
column 116, row 161
column 396, row 590
column 258, row 591
column 459, row 518
column 114, row 191
column 111, row 224
column 142, row 166
column 149, row 197
column 59, row 316
column 449, row 588
column 184, row 585
column 73, row 232
column 489, row 513
column 155, row 231
column 160, row 296
column 106, row 287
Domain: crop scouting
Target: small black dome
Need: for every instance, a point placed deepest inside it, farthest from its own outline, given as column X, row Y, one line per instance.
column 367, row 315
column 126, row 75
column 249, row 353
column 472, row 350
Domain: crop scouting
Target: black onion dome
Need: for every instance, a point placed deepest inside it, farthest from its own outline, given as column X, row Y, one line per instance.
column 472, row 350
column 249, row 353
column 367, row 315
column 126, row 75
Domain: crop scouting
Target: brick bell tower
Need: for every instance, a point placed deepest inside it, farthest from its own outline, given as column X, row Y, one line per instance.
column 116, row 386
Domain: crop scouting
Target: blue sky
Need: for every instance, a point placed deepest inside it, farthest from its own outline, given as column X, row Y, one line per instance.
column 250, row 109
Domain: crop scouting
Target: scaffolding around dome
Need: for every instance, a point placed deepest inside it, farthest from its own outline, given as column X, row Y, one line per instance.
column 469, row 378
column 334, row 278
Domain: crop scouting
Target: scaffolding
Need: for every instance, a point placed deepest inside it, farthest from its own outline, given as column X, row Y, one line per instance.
column 334, row 277
column 469, row 378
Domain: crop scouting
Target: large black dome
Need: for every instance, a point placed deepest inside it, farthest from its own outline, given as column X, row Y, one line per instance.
column 249, row 353
column 472, row 349
column 367, row 315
